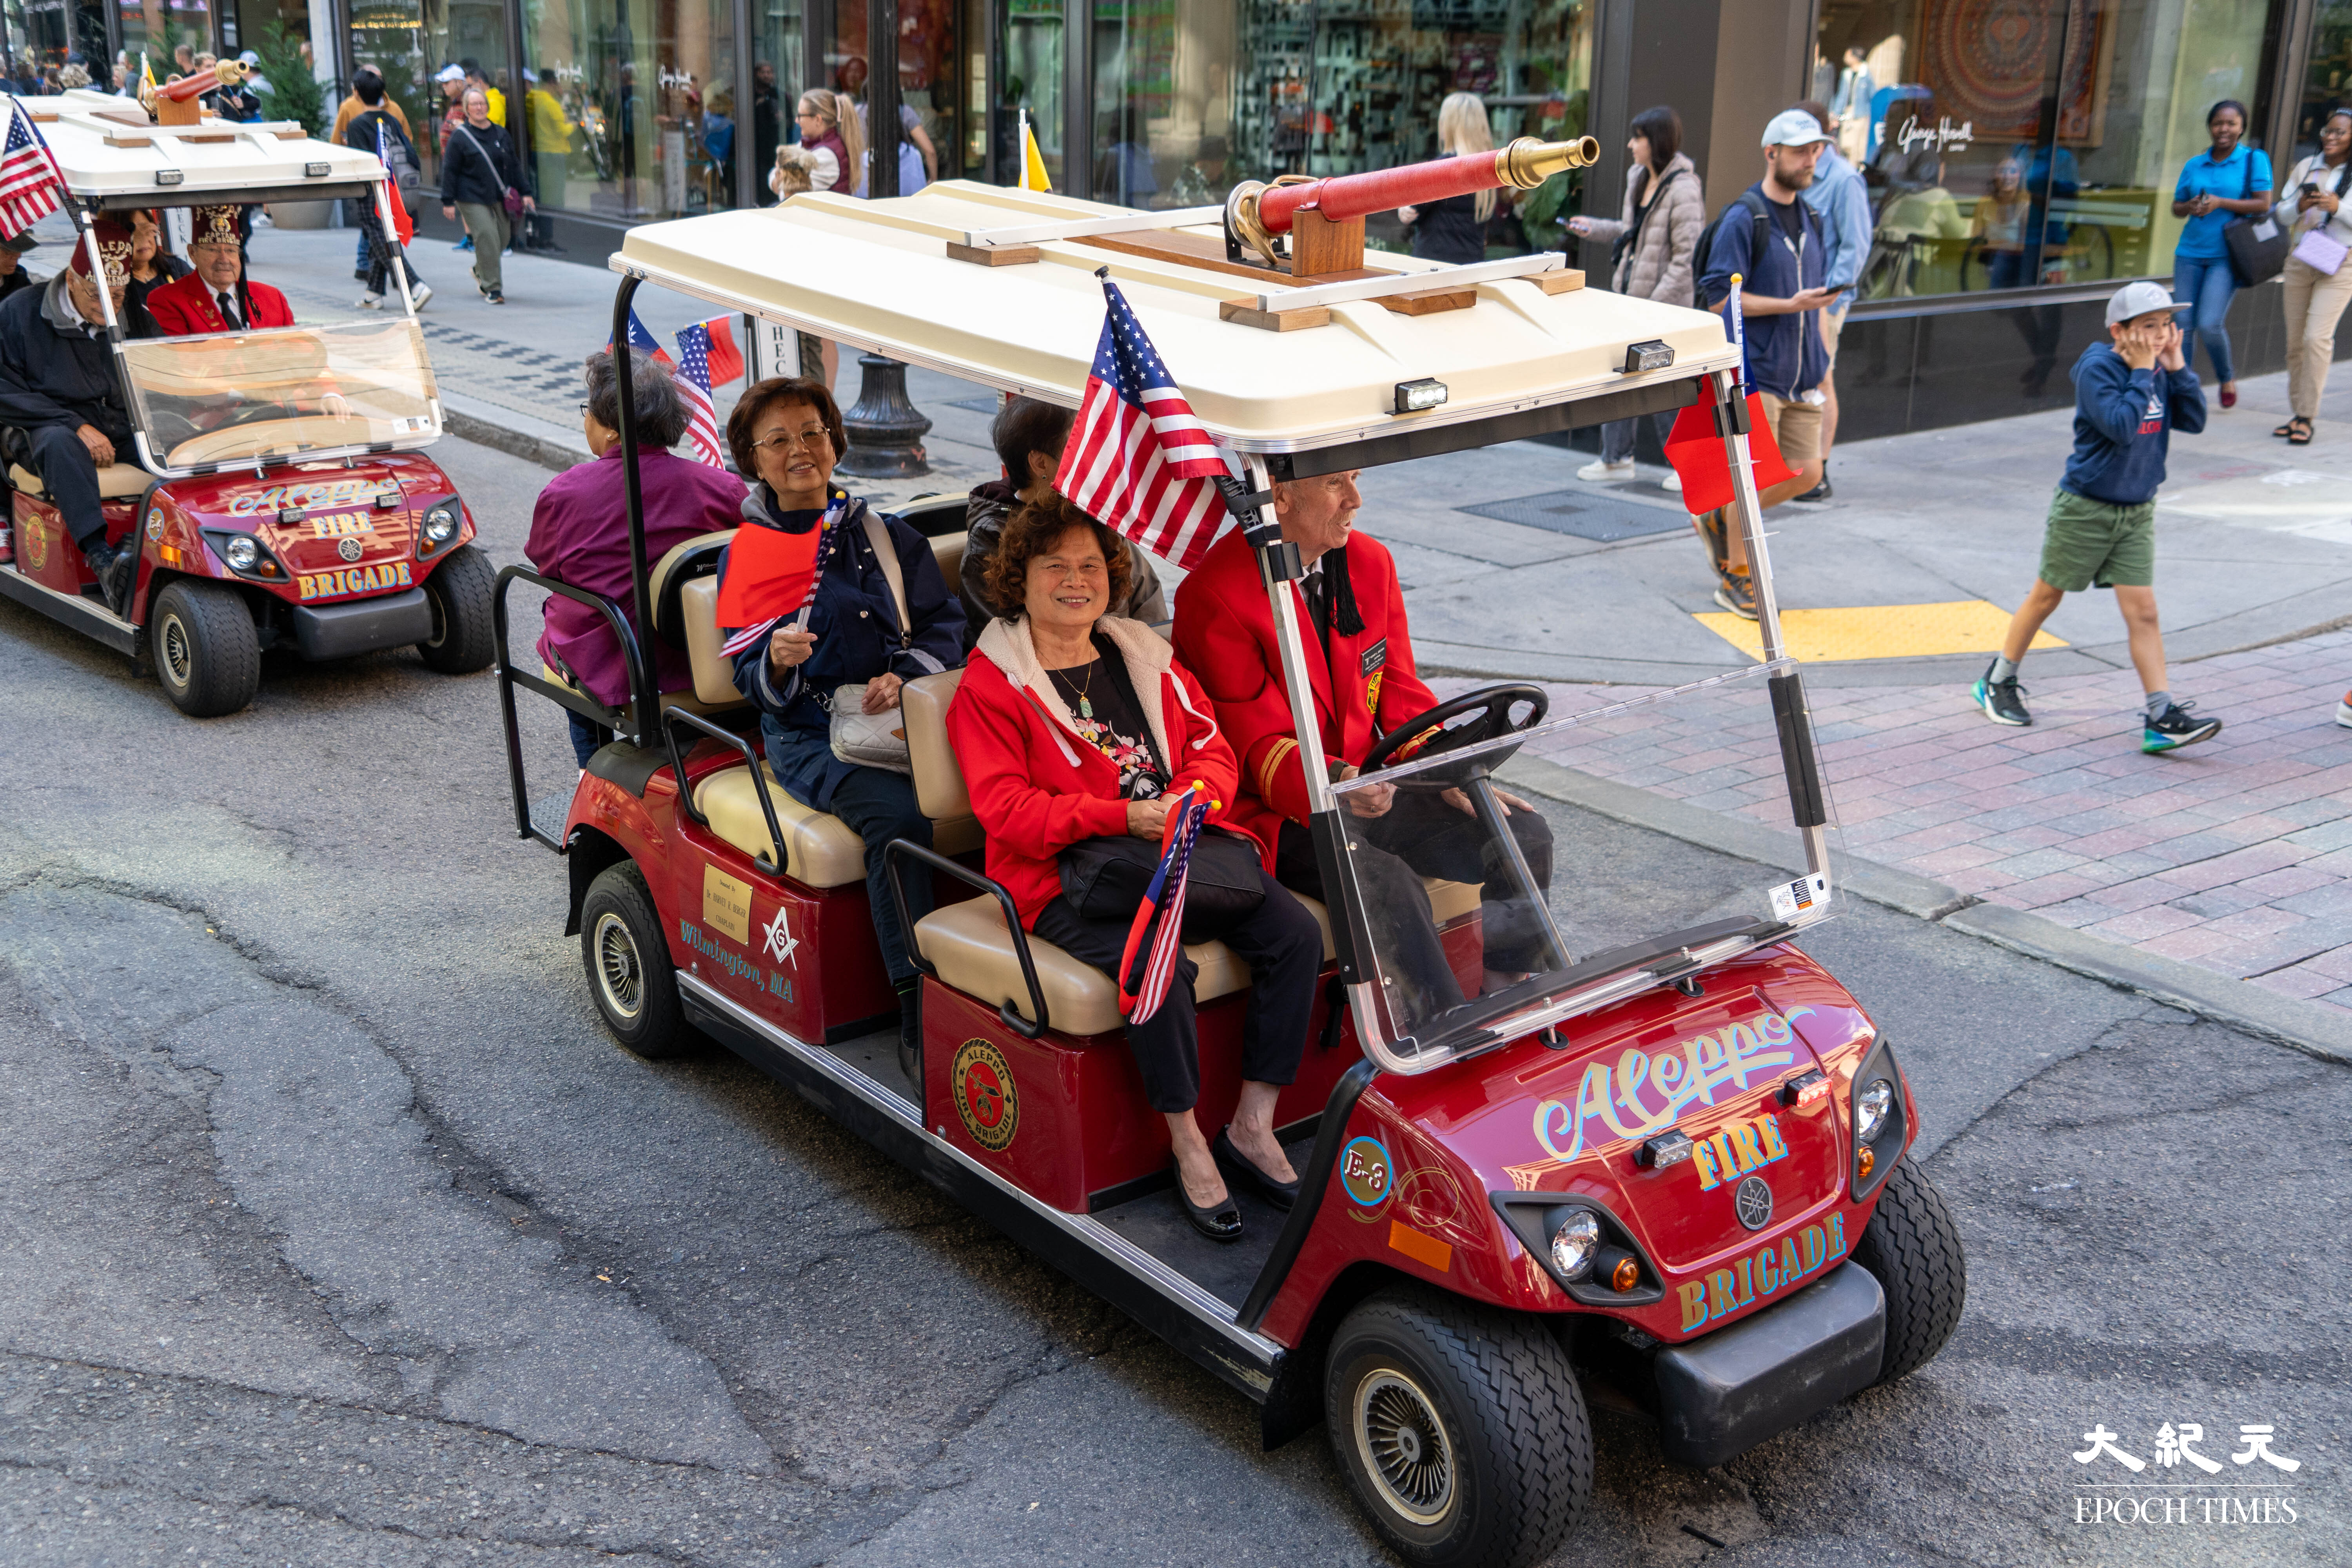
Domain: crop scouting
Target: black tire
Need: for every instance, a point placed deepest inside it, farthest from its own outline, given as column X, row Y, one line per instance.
column 1460, row 1428
column 208, row 655
column 629, row 970
column 1912, row 1249
column 460, row 590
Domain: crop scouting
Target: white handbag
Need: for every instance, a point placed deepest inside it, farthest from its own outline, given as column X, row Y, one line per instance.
column 875, row 740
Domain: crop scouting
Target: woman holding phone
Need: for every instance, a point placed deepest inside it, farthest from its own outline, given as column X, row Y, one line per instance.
column 2316, row 292
column 2229, row 180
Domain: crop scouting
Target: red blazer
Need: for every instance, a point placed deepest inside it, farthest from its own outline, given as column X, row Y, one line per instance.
column 1036, row 786
column 1224, row 629
column 187, row 306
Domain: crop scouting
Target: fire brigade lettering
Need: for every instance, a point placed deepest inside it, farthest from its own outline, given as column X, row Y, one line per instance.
column 338, row 526
column 358, row 579
column 1737, row 1149
column 1762, row 1275
column 339, row 493
column 1685, row 1075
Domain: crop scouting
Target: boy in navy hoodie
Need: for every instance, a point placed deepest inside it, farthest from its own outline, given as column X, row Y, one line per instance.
column 2130, row 394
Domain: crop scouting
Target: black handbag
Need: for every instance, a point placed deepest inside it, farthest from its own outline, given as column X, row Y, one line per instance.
column 2259, row 244
column 1105, row 880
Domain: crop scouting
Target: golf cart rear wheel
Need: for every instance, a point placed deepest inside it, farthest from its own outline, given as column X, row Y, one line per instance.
column 1912, row 1249
column 207, row 655
column 460, row 591
column 629, row 969
column 1460, row 1428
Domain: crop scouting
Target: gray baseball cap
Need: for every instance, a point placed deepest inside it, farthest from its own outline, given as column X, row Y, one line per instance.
column 1794, row 128
column 2138, row 300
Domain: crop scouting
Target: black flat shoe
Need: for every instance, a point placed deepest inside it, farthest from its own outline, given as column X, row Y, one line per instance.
column 1234, row 1163
column 1223, row 1223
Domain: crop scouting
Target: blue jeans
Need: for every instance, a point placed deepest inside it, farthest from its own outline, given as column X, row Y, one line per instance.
column 2207, row 284
column 1617, row 437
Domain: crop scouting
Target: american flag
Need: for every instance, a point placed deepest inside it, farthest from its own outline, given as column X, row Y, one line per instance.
column 30, row 184
column 1164, row 897
column 693, row 381
column 1139, row 459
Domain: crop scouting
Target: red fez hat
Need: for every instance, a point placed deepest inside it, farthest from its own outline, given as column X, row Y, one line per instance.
column 113, row 246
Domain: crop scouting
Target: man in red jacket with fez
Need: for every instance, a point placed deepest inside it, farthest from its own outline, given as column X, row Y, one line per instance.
column 1359, row 660
column 216, row 297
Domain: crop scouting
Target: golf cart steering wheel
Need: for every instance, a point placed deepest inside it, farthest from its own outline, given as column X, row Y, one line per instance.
column 1493, row 706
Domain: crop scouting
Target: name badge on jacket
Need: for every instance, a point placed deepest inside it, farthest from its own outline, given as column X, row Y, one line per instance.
column 1375, row 655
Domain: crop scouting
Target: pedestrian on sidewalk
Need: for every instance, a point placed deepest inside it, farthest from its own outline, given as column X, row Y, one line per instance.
column 1773, row 240
column 1454, row 229
column 2318, row 282
column 2226, row 181
column 2130, row 394
column 1842, row 202
column 1652, row 253
column 480, row 177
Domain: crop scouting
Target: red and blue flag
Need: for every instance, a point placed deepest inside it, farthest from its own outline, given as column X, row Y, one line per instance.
column 1161, row 916
column 642, row 341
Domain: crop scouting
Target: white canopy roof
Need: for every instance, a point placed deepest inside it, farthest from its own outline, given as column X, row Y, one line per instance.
column 876, row 274
column 111, row 153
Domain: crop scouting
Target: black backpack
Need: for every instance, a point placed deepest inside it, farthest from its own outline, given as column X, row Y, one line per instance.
column 1756, row 239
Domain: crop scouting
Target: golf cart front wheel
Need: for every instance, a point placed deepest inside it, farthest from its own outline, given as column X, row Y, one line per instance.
column 1912, row 1249
column 465, row 635
column 629, row 970
column 208, row 655
column 1460, row 1429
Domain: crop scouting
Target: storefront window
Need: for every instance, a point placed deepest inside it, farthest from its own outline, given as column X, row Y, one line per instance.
column 633, row 106
column 2010, row 143
column 779, row 72
column 2328, row 83
column 39, row 34
column 931, row 119
column 1034, row 75
column 162, row 28
column 413, row 42
column 1192, row 98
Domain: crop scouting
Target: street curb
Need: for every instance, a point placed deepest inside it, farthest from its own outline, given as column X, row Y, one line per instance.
column 2316, row 1031
column 531, row 448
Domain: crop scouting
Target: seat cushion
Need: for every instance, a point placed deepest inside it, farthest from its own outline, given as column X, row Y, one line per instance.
column 939, row 780
column 714, row 673
column 702, row 548
column 968, row 945
column 820, row 850
column 1448, row 902
column 117, row 482
column 948, row 550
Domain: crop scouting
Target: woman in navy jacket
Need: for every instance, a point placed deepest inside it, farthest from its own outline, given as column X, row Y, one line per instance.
column 787, row 435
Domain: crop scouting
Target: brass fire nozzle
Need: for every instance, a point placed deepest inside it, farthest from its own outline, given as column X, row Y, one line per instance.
column 1527, row 163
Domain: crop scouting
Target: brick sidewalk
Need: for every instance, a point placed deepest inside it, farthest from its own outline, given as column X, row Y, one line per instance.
column 2235, row 855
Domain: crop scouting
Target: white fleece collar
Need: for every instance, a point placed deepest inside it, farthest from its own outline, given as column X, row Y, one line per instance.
column 1010, row 647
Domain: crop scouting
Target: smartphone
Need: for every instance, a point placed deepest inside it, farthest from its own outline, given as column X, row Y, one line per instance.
column 2310, row 187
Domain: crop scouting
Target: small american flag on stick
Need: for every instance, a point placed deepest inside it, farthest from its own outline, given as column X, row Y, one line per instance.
column 30, row 184
column 1138, row 458
column 1165, row 899
column 693, row 381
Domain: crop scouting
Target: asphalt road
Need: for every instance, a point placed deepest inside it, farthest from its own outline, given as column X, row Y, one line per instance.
column 333, row 1229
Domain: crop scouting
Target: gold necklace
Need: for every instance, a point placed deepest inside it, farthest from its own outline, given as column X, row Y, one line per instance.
column 1085, row 708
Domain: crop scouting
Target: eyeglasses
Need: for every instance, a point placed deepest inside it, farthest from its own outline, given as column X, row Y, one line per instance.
column 816, row 438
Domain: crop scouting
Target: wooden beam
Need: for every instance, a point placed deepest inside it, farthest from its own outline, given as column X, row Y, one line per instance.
column 992, row 255
column 1429, row 303
column 1246, row 312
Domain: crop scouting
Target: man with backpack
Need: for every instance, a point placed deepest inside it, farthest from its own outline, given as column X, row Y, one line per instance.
column 376, row 128
column 1773, row 240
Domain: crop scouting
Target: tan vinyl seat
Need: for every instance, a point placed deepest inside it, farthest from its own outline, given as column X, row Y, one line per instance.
column 820, row 850
column 948, row 550
column 117, row 482
column 967, row 944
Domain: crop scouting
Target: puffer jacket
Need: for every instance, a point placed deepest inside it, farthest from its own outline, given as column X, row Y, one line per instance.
column 1660, row 266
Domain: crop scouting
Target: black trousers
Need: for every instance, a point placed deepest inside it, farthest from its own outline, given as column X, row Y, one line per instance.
column 70, row 476
column 1283, row 948
column 1421, row 836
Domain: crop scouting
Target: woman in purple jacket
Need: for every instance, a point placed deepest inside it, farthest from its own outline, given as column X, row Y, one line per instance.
column 580, row 535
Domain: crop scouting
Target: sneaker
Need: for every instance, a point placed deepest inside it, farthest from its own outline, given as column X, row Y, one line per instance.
column 1672, row 484
column 2003, row 701
column 465, row 244
column 2343, row 712
column 1600, row 472
column 1718, row 549
column 2175, row 728
column 1737, row 593
column 419, row 295
column 1820, row 493
column 494, row 296
column 368, row 301
column 263, row 220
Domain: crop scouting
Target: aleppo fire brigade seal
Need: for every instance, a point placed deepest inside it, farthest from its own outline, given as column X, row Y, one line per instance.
column 985, row 1099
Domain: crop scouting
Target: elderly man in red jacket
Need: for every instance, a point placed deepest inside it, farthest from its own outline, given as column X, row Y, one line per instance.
column 1359, row 661
column 216, row 297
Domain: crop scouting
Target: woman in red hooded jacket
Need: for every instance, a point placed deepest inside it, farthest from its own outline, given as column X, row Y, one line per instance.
column 1073, row 725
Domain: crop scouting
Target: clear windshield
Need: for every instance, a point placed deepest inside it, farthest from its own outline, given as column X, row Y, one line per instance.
column 235, row 397
column 1502, row 885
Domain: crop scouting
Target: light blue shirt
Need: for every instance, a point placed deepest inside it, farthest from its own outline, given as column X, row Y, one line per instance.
column 1842, row 202
column 2246, row 171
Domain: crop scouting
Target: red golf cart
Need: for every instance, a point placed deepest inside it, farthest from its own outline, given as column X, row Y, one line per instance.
column 1670, row 1163
column 278, row 487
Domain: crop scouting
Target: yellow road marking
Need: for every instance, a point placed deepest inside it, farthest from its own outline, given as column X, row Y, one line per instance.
column 1877, row 631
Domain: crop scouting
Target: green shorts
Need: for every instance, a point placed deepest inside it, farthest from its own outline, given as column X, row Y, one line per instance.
column 2093, row 543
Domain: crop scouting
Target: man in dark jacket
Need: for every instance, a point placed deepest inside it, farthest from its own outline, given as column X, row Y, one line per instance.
column 2130, row 394
column 479, row 167
column 13, row 276
column 1029, row 436
column 58, row 390
column 1775, row 243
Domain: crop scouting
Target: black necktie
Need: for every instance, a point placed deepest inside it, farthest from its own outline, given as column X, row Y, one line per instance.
column 228, row 310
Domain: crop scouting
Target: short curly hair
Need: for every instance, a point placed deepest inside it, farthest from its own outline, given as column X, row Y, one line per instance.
column 764, row 395
column 1033, row 531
